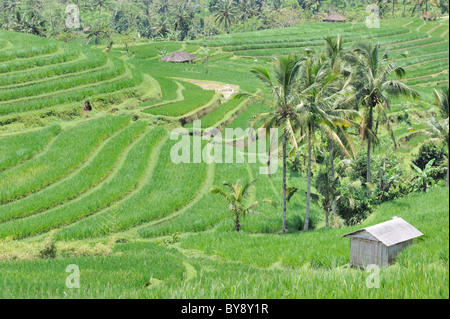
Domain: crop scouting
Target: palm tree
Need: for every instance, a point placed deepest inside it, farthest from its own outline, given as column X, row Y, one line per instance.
column 162, row 27
column 225, row 12
column 336, row 64
column 236, row 198
column 439, row 128
column 283, row 87
column 182, row 20
column 247, row 9
column 163, row 7
column 318, row 93
column 99, row 5
column 373, row 83
column 327, row 187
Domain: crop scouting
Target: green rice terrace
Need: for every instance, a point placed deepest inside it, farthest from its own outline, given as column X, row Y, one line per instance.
column 98, row 188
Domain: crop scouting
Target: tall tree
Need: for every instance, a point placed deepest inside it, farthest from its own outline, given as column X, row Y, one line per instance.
column 373, row 82
column 225, row 12
column 283, row 86
column 318, row 92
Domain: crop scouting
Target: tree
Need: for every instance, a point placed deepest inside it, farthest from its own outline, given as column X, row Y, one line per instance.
column 182, row 21
column 336, row 64
column 318, row 91
column 99, row 5
column 327, row 188
column 373, row 83
column 439, row 128
column 283, row 87
column 225, row 12
column 247, row 9
column 236, row 197
column 424, row 176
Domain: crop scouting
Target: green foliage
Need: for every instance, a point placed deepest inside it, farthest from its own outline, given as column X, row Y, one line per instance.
column 429, row 151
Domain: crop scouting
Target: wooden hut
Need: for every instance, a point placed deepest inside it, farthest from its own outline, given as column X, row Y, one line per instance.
column 335, row 18
column 179, row 57
column 380, row 244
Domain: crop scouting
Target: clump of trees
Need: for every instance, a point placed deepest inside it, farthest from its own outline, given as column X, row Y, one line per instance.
column 182, row 19
column 327, row 105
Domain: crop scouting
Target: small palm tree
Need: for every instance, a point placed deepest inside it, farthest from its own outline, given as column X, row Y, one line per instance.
column 328, row 193
column 236, row 197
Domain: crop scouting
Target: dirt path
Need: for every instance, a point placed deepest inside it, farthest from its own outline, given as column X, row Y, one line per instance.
column 226, row 89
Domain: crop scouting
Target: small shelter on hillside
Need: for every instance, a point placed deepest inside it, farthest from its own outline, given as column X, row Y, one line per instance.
column 179, row 57
column 335, row 18
column 380, row 244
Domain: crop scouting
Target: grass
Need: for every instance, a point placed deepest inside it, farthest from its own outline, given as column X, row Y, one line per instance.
column 91, row 59
column 70, row 149
column 96, row 170
column 194, row 97
column 21, row 147
column 156, row 199
column 424, row 211
column 218, row 114
column 119, row 185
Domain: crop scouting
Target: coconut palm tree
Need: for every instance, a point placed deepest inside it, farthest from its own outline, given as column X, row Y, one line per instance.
column 247, row 8
column 373, row 83
column 236, row 197
column 283, row 86
column 225, row 12
column 182, row 20
column 318, row 93
column 327, row 188
column 336, row 64
column 438, row 128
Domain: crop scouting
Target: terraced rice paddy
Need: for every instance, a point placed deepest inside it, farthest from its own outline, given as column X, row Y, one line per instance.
column 56, row 78
column 107, row 176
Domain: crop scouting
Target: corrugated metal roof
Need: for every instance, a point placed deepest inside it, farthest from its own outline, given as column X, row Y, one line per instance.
column 179, row 56
column 391, row 232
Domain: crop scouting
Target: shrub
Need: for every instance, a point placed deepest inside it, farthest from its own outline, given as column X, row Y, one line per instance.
column 429, row 151
column 48, row 249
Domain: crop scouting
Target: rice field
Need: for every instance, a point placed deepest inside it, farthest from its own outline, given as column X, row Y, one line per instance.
column 103, row 185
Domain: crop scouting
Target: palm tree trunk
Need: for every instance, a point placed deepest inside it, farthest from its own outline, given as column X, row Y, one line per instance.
column 308, row 191
column 237, row 226
column 448, row 157
column 369, row 141
column 369, row 144
column 404, row 9
column 113, row 22
column 333, row 201
column 284, row 182
column 327, row 212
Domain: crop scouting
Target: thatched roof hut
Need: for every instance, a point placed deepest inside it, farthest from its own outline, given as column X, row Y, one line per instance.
column 179, row 57
column 380, row 244
column 335, row 18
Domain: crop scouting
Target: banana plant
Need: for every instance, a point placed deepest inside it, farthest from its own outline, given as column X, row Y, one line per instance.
column 424, row 177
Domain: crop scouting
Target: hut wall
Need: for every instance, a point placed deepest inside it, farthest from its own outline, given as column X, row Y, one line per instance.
column 395, row 249
column 365, row 252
